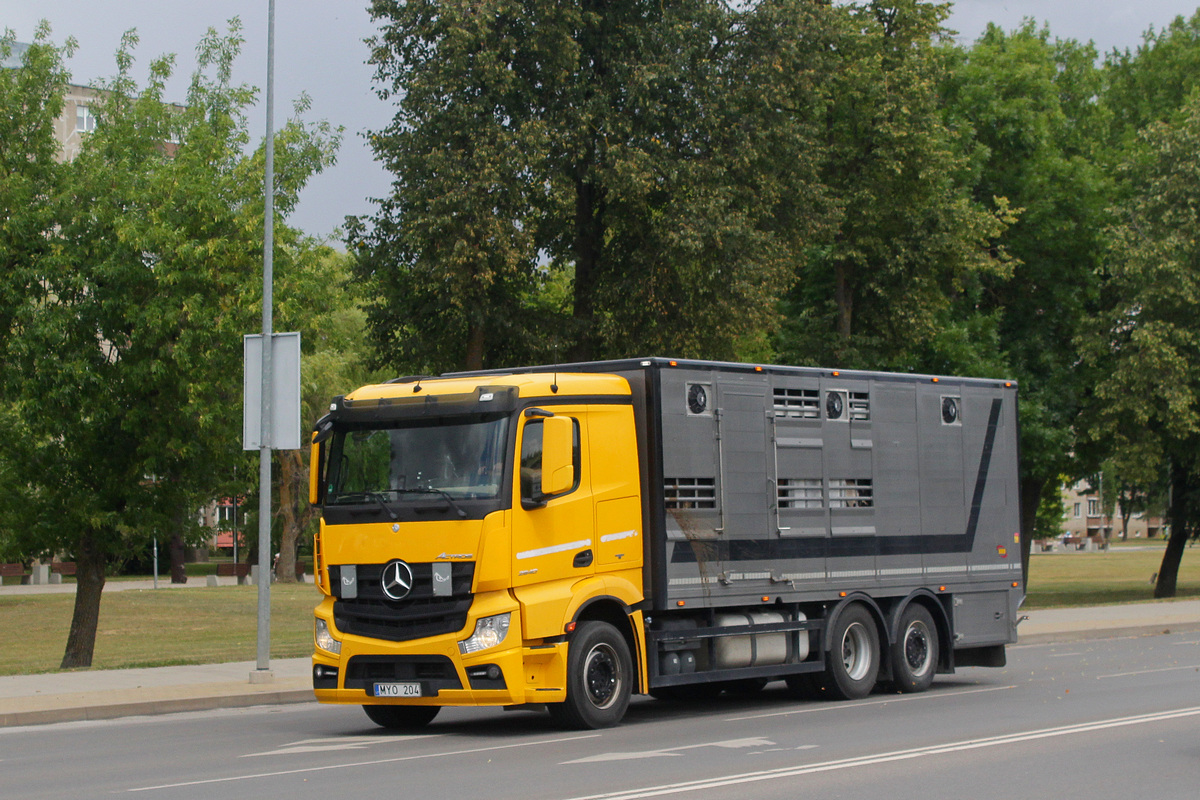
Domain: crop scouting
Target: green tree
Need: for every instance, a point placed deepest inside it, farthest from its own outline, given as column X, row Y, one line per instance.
column 1029, row 103
column 908, row 237
column 1149, row 84
column 148, row 283
column 1146, row 344
column 31, row 98
column 653, row 153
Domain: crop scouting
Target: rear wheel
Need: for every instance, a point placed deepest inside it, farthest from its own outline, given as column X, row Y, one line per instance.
column 402, row 718
column 914, row 657
column 599, row 678
column 853, row 662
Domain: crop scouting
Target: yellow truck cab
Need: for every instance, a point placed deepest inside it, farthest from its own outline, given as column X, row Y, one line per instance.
column 468, row 528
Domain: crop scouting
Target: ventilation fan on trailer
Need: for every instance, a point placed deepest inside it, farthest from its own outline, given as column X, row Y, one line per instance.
column 697, row 399
column 949, row 410
column 834, row 405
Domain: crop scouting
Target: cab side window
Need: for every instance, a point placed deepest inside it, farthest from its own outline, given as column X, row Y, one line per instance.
column 531, row 462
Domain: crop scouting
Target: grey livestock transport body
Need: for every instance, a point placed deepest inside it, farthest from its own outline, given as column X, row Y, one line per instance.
column 833, row 528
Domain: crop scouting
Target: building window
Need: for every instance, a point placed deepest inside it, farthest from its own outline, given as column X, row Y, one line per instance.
column 1093, row 507
column 1078, row 510
column 85, row 120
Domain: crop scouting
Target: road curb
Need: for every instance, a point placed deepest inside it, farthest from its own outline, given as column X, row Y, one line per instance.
column 152, row 707
column 1085, row 634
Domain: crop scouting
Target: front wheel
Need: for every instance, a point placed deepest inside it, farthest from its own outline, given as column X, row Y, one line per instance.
column 402, row 718
column 914, row 657
column 599, row 678
column 854, row 655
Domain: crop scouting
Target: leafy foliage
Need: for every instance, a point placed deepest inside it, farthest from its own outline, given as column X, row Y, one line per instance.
column 147, row 281
column 908, row 238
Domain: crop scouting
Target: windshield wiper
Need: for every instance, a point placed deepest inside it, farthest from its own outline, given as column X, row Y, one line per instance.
column 379, row 497
column 449, row 500
column 368, row 496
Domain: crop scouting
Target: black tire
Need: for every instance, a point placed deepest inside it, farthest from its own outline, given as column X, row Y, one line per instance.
column 599, row 679
column 853, row 663
column 402, row 718
column 914, row 657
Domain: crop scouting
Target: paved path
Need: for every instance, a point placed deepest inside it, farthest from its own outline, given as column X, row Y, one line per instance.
column 103, row 694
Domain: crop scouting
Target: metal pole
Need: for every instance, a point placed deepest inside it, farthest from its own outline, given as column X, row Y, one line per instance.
column 264, row 448
column 155, row 562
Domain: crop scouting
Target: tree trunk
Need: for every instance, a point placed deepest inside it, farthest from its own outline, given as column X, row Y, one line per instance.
column 1032, row 487
column 1168, row 572
column 589, row 240
column 177, row 549
column 291, row 476
column 475, row 342
column 844, row 297
column 89, row 576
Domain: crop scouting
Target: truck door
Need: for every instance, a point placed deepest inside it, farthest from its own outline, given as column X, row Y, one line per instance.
column 552, row 537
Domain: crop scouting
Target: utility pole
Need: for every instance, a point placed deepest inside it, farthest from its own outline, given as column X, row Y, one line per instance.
column 264, row 447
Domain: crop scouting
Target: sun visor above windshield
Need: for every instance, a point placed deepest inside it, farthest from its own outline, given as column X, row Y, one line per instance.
column 374, row 410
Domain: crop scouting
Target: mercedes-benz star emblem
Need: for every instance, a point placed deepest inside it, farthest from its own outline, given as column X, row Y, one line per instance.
column 397, row 580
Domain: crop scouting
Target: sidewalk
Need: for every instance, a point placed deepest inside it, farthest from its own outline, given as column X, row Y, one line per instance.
column 105, row 694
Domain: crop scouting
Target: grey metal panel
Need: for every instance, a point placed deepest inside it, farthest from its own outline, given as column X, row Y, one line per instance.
column 897, row 485
column 922, row 472
column 995, row 555
column 744, row 484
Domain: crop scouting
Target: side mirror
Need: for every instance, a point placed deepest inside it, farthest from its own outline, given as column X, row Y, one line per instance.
column 558, row 455
column 314, row 472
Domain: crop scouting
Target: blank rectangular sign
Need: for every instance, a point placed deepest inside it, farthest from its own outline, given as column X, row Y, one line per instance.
column 285, row 394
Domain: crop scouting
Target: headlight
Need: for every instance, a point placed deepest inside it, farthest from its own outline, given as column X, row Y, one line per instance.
column 325, row 639
column 489, row 632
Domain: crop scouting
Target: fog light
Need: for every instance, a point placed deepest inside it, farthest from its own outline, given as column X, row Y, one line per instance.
column 325, row 639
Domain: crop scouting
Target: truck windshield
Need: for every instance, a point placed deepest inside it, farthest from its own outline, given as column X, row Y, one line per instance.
column 458, row 459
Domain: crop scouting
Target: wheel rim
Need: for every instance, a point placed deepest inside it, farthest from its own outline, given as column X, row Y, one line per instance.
column 917, row 652
column 856, row 652
column 602, row 676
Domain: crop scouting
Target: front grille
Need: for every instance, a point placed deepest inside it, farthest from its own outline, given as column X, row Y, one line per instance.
column 399, row 622
column 422, row 613
column 434, row 673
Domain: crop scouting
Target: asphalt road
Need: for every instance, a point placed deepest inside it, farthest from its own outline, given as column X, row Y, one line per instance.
column 1113, row 718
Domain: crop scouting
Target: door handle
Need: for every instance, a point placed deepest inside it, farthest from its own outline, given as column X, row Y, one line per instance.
column 582, row 559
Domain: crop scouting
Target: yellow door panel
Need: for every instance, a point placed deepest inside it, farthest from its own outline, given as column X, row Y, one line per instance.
column 553, row 539
column 619, row 533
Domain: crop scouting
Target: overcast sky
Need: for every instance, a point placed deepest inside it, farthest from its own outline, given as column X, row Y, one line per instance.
column 319, row 50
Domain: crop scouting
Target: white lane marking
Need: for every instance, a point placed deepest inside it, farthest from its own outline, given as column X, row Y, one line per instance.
column 333, row 744
column 732, row 744
column 555, row 548
column 883, row 758
column 1148, row 671
column 906, row 698
column 306, row 770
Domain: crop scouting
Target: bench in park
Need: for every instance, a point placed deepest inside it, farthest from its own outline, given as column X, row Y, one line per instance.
column 63, row 567
column 241, row 571
column 12, row 570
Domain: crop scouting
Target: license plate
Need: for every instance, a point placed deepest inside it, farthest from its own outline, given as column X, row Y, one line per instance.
column 397, row 690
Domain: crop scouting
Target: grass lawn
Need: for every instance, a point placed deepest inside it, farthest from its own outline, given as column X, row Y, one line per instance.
column 144, row 628
column 140, row 628
column 1120, row 575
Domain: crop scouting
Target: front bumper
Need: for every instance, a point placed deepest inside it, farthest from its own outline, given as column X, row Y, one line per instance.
column 513, row 673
